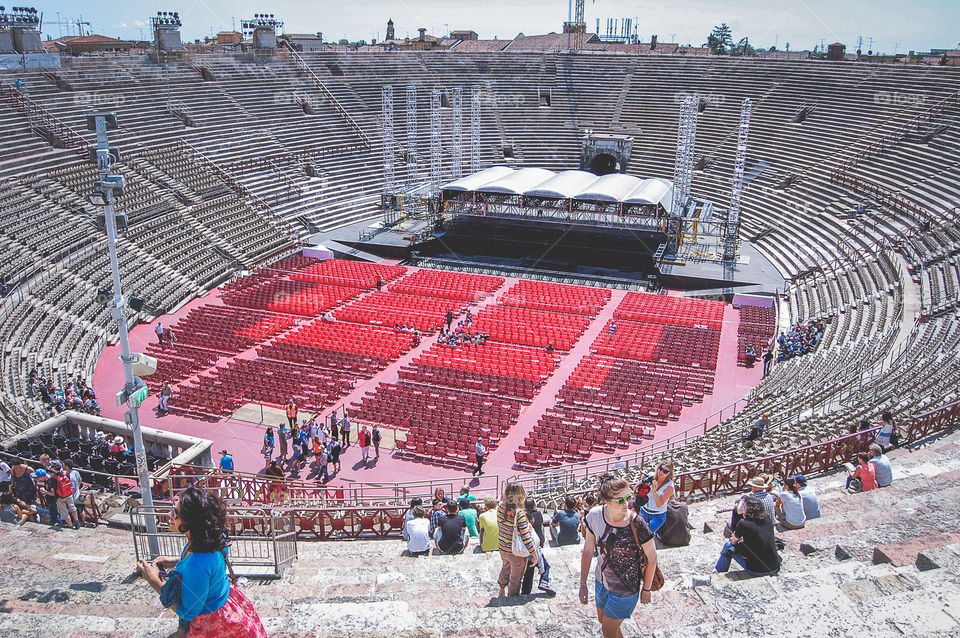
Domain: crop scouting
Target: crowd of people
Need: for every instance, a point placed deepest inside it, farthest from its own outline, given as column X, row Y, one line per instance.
column 50, row 494
column 287, row 450
column 75, row 395
column 799, row 340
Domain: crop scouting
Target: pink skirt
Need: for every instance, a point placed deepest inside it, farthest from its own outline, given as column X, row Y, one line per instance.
column 236, row 619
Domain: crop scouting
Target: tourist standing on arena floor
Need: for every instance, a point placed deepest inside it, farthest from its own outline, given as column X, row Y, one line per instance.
column 226, row 461
column 165, row 393
column 376, row 437
column 267, row 449
column 512, row 520
column 363, row 439
column 282, row 440
column 654, row 512
column 291, row 410
column 333, row 449
column 345, row 430
column 198, row 588
column 627, row 558
column 479, row 451
column 323, row 460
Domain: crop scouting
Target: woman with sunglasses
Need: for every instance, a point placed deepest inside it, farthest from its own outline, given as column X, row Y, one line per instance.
column 198, row 588
column 654, row 511
column 627, row 556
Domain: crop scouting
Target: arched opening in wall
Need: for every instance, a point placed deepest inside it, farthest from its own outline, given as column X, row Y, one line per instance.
column 603, row 164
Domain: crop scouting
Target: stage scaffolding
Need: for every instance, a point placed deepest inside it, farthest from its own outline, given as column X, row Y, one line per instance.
column 700, row 231
column 644, row 218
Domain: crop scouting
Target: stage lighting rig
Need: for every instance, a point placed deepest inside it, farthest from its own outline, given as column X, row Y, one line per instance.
column 19, row 17
column 261, row 21
column 166, row 19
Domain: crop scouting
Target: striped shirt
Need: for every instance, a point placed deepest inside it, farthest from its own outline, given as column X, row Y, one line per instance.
column 505, row 522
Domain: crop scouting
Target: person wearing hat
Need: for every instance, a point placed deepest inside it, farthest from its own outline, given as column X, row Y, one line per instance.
column 811, row 504
column 758, row 485
column 753, row 543
column 758, row 428
column 226, row 461
column 117, row 446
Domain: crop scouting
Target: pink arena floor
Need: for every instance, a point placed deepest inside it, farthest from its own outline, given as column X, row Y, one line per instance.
column 243, row 439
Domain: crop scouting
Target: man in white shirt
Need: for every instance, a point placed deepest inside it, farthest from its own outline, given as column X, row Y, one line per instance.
column 811, row 504
column 4, row 477
column 881, row 466
column 417, row 532
column 479, row 451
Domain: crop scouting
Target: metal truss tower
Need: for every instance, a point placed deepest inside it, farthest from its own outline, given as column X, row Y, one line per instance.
column 389, row 143
column 457, row 148
column 683, row 162
column 579, row 25
column 412, row 132
column 436, row 148
column 690, row 144
column 733, row 216
column 475, row 105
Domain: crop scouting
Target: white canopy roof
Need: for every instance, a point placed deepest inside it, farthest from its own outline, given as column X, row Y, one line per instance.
column 652, row 191
column 609, row 188
column 580, row 185
column 517, row 182
column 474, row 181
column 563, row 185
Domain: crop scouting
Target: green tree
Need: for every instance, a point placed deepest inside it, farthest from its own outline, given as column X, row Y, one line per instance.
column 720, row 39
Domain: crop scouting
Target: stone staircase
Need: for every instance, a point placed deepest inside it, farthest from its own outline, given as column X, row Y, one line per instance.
column 886, row 561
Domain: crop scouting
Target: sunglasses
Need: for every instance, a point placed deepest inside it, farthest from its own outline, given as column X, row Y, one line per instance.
column 622, row 500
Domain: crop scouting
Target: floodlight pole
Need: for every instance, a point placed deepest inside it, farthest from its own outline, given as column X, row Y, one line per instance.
column 118, row 307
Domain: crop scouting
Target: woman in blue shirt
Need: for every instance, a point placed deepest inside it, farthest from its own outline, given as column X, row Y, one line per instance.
column 205, row 601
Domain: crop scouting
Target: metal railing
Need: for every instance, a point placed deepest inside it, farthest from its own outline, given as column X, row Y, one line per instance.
column 263, row 542
column 68, row 136
column 818, row 458
column 576, row 471
column 328, row 95
column 257, row 489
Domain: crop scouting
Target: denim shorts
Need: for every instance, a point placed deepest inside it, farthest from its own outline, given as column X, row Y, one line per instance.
column 613, row 606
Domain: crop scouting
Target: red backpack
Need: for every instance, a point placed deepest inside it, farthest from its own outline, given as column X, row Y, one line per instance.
column 64, row 486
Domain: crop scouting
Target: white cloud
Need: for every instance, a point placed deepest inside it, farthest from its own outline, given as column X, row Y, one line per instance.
column 122, row 25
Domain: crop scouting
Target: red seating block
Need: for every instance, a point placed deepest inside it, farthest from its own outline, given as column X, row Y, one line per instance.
column 542, row 295
column 448, row 285
column 341, row 272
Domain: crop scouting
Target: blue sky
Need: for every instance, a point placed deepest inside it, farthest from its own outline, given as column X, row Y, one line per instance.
column 919, row 25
